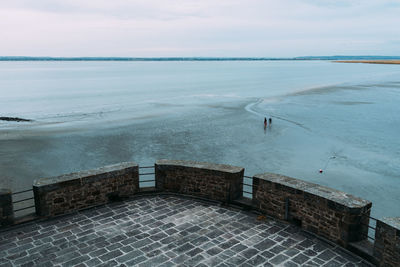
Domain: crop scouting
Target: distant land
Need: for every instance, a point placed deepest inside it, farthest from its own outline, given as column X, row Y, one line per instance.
column 26, row 58
column 384, row 61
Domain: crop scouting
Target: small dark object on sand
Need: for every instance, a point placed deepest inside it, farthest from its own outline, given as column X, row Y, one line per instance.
column 13, row 119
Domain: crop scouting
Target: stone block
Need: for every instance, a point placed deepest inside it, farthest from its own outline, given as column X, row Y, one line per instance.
column 330, row 213
column 387, row 242
column 6, row 207
column 75, row 191
column 207, row 180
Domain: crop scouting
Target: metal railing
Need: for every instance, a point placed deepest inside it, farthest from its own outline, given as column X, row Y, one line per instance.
column 371, row 227
column 22, row 207
column 146, row 183
column 247, row 188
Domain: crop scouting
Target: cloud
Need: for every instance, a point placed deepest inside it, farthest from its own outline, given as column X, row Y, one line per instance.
column 197, row 28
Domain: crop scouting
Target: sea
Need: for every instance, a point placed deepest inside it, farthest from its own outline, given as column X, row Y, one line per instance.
column 340, row 118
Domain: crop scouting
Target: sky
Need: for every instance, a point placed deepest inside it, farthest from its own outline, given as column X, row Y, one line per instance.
column 203, row 28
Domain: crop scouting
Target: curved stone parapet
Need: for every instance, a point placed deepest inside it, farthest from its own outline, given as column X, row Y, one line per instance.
column 213, row 181
column 75, row 191
column 330, row 213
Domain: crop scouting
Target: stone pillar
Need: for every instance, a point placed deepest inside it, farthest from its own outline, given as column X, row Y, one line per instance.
column 387, row 242
column 206, row 180
column 6, row 207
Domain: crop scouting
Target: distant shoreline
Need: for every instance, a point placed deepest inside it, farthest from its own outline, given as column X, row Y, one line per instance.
column 330, row 58
column 370, row 61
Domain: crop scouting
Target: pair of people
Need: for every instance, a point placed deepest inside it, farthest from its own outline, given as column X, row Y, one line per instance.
column 266, row 123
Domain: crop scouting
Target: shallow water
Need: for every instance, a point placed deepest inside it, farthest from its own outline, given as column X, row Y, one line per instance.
column 342, row 118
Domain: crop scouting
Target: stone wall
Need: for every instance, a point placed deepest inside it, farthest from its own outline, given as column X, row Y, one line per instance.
column 75, row 191
column 212, row 181
column 6, row 207
column 387, row 242
column 332, row 214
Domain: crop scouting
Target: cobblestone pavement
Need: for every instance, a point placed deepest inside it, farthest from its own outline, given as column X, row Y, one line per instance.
column 166, row 231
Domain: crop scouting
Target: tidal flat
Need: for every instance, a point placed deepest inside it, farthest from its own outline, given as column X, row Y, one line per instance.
column 341, row 118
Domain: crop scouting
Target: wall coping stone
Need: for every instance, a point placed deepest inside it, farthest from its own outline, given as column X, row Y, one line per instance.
column 393, row 222
column 4, row 191
column 200, row 165
column 345, row 200
column 83, row 177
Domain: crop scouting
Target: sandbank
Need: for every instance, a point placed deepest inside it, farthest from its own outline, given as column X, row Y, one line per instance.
column 370, row 61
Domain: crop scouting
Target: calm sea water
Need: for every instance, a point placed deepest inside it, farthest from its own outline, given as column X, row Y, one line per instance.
column 342, row 118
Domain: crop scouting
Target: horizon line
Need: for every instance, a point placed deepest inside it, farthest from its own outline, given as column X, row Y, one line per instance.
column 193, row 58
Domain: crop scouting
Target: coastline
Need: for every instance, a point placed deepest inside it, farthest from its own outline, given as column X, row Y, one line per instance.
column 370, row 61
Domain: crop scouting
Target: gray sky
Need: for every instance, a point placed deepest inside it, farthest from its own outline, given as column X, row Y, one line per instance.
column 259, row 28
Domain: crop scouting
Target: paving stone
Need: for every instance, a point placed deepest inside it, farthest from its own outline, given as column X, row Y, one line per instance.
column 307, row 243
column 265, row 244
column 129, row 256
column 214, row 233
column 27, row 259
column 109, row 263
column 208, row 245
column 98, row 252
column 288, row 242
column 111, row 255
column 290, row 264
column 248, row 253
column 114, row 246
column 229, row 243
column 76, row 261
column 136, row 261
column 310, row 252
column 141, row 243
column 277, row 249
column 214, row 251
column 267, row 254
column 180, row 259
column 184, row 248
column 319, row 247
column 278, row 259
column 194, row 252
column 20, row 249
column 331, row 263
column 200, row 240
column 156, row 261
column 194, row 260
column 300, row 259
column 236, row 260
column 167, row 231
column 15, row 256
column 151, row 247
column 66, row 257
column 326, row 255
column 291, row 252
column 238, row 248
column 311, row 263
column 255, row 261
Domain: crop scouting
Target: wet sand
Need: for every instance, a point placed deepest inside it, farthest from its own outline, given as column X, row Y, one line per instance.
column 209, row 135
column 349, row 130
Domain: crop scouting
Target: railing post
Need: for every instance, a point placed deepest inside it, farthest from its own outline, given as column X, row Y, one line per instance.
column 6, row 207
column 286, row 209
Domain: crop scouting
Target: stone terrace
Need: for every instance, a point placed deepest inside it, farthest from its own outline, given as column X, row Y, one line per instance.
column 167, row 231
